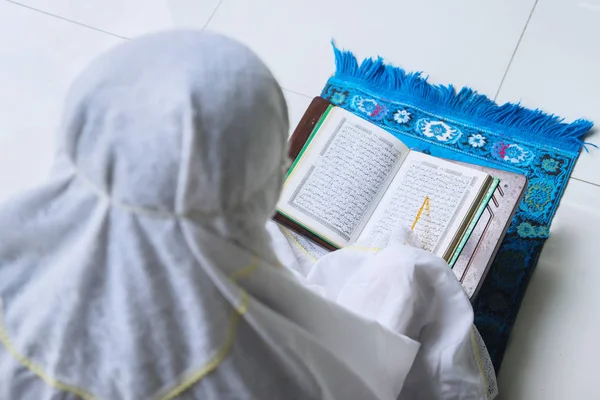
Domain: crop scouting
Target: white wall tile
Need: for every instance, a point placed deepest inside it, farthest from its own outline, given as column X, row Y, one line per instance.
column 130, row 18
column 557, row 66
column 297, row 105
column 464, row 42
column 553, row 351
column 39, row 58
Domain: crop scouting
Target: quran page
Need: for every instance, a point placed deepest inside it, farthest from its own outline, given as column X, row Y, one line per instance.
column 451, row 191
column 340, row 176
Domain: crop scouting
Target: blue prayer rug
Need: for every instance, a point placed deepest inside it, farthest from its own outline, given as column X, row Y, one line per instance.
column 470, row 127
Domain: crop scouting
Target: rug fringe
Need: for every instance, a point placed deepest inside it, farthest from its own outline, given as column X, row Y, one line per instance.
column 534, row 125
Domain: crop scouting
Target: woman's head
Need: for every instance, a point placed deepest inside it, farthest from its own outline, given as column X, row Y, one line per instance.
column 185, row 123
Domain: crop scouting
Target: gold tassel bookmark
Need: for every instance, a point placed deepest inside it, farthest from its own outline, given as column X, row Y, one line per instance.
column 424, row 206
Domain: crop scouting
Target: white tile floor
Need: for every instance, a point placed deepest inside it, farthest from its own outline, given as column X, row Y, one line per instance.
column 543, row 52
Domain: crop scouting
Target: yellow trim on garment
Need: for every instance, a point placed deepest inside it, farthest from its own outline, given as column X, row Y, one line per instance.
column 36, row 369
column 196, row 377
column 246, row 271
column 297, row 243
column 364, row 248
column 475, row 346
column 219, row 357
column 223, row 352
column 355, row 247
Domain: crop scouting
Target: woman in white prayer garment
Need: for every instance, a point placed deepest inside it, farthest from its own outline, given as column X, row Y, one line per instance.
column 142, row 269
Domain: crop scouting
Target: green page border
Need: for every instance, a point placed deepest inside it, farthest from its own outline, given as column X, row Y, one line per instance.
column 476, row 217
column 310, row 138
column 295, row 163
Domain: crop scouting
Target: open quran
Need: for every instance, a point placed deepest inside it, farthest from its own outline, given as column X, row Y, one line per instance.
column 353, row 179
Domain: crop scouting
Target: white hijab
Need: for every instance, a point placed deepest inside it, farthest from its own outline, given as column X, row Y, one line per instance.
column 142, row 268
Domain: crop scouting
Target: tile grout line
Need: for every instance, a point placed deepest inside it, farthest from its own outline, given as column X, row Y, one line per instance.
column 208, row 22
column 584, row 181
column 123, row 37
column 512, row 57
column 213, row 14
column 298, row 93
column 66, row 19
